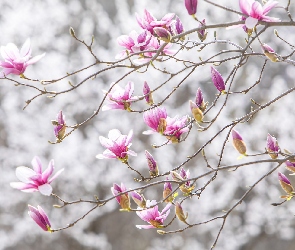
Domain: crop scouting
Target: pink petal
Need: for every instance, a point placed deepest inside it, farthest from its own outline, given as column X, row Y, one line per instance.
column 40, row 221
column 268, row 6
column 145, row 226
column 251, row 22
column 35, row 59
column 44, row 215
column 14, row 71
column 114, row 134
column 245, row 6
column 10, row 52
column 26, row 187
column 48, row 171
column 55, row 175
column 131, row 152
column 113, row 106
column 45, row 189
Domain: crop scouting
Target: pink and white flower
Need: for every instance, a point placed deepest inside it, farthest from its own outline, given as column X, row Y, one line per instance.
column 117, row 146
column 33, row 180
column 120, row 98
column 16, row 61
column 60, row 126
column 256, row 12
column 156, row 120
column 153, row 216
column 123, row 199
column 40, row 217
column 175, row 127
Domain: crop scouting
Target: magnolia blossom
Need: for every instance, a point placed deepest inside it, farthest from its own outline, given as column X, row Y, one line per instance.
column 163, row 34
column 120, row 98
column 16, row 61
column 149, row 22
column 117, row 146
column 153, row 216
column 286, row 185
column 270, row 53
column 60, row 126
column 33, row 180
column 40, row 217
column 123, row 199
column 176, row 27
column 202, row 34
column 167, row 191
column 196, row 111
column 138, row 199
column 272, row 146
column 290, row 166
column 175, row 128
column 156, row 120
column 179, row 212
column 256, row 12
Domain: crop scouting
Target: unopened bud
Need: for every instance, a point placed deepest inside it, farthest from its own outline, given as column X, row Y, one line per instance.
column 179, row 212
column 238, row 142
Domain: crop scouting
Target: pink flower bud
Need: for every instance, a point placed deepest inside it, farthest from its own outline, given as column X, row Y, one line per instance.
column 167, row 191
column 179, row 212
column 191, row 6
column 217, row 80
column 285, row 183
column 272, row 146
column 196, row 111
column 138, row 199
column 152, row 164
column 123, row 199
column 147, row 94
column 60, row 126
column 269, row 52
column 238, row 142
column 40, row 217
column 202, row 34
column 163, row 34
column 290, row 166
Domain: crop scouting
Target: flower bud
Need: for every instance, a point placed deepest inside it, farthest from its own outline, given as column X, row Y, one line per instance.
column 138, row 199
column 238, row 142
column 196, row 111
column 147, row 94
column 152, row 164
column 40, row 217
column 269, row 52
column 202, row 34
column 217, row 80
column 167, row 191
column 163, row 34
column 179, row 212
column 175, row 176
column 290, row 166
column 285, row 183
column 123, row 199
column 272, row 146
column 60, row 127
column 191, row 6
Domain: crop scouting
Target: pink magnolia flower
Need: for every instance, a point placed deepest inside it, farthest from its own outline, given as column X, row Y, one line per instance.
column 238, row 142
column 270, row 53
column 123, row 199
column 290, row 166
column 167, row 191
column 175, row 128
column 256, row 12
column 147, row 94
column 149, row 22
column 117, row 146
column 33, row 180
column 60, row 126
column 202, row 34
column 138, row 199
column 15, row 61
column 152, row 164
column 153, row 216
column 156, row 120
column 163, row 34
column 196, row 111
column 40, row 217
column 120, row 98
column 286, row 186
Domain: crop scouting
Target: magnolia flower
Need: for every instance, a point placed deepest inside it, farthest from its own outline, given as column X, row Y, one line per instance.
column 217, row 80
column 60, row 126
column 186, row 188
column 40, row 217
column 256, row 12
column 156, row 120
column 167, row 190
column 153, row 216
column 286, row 185
column 120, row 98
column 152, row 164
column 147, row 93
column 138, row 199
column 272, row 146
column 200, row 100
column 123, row 199
column 202, row 34
column 149, row 22
column 238, row 142
column 33, row 180
column 175, row 128
column 117, row 146
column 191, row 6
column 163, row 34
column 176, row 27
column 15, row 61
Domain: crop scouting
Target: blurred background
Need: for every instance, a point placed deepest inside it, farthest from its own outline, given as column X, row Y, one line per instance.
column 253, row 225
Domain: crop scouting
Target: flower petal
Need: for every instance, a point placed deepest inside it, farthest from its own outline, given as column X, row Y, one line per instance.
column 251, row 22
column 45, row 189
column 37, row 165
column 24, row 174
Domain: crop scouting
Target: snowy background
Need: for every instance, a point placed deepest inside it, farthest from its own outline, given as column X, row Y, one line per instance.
column 255, row 224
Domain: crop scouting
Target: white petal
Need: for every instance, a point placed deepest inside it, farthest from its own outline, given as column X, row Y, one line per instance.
column 45, row 189
column 251, row 22
column 24, row 174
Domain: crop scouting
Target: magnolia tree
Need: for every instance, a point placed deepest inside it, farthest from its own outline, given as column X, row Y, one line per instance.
column 162, row 46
